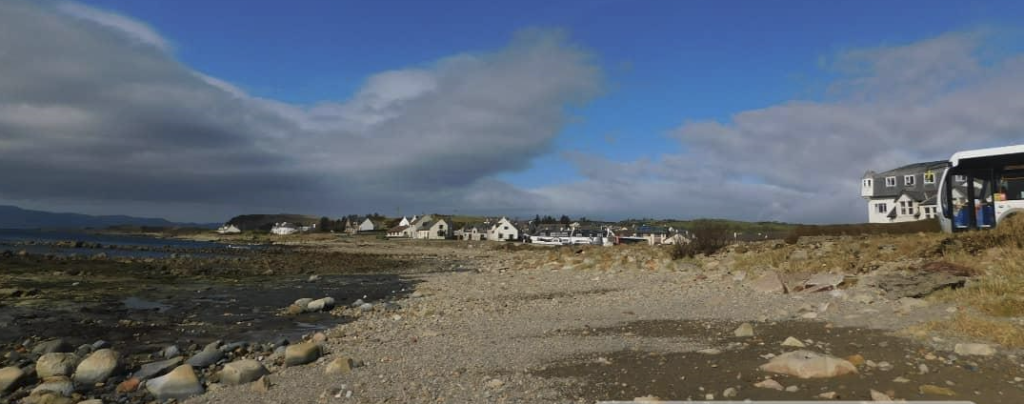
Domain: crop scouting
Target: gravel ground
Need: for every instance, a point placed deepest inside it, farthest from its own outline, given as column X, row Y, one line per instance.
column 480, row 333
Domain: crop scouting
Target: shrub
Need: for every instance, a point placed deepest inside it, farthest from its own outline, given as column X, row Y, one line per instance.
column 707, row 237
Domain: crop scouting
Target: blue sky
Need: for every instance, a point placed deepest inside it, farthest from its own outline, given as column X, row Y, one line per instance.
column 666, row 61
column 667, row 88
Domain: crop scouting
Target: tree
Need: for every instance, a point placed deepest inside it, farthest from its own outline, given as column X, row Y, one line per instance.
column 325, row 224
column 536, row 219
column 565, row 220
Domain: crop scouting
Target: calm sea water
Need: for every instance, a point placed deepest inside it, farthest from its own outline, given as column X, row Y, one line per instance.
column 15, row 239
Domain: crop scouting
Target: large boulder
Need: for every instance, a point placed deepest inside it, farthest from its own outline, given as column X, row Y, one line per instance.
column 56, row 364
column 11, row 378
column 242, row 371
column 807, row 365
column 180, row 384
column 154, row 369
column 301, row 354
column 98, row 366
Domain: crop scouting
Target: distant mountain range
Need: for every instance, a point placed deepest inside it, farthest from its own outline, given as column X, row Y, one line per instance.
column 13, row 217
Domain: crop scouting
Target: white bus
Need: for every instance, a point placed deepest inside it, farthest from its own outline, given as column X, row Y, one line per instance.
column 982, row 187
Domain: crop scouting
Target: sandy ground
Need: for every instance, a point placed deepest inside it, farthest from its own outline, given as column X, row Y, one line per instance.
column 485, row 332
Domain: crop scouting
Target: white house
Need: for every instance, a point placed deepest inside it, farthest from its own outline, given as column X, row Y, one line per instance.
column 368, row 225
column 284, row 228
column 229, row 229
column 475, row 231
column 440, row 229
column 404, row 222
column 903, row 194
column 503, row 230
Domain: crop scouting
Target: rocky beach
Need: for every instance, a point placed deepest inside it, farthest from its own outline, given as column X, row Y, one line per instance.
column 361, row 320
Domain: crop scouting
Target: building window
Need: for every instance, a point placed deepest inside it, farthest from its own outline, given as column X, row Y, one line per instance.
column 890, row 181
column 867, row 183
column 881, row 208
column 903, row 207
column 908, row 180
column 960, row 178
column 929, row 177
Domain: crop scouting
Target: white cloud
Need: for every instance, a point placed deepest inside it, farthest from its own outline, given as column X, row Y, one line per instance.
column 87, row 115
column 131, row 28
column 802, row 160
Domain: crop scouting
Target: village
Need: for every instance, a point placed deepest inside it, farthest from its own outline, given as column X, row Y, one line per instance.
column 502, row 229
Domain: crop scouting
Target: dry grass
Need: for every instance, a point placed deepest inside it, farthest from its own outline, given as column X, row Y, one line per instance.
column 1000, row 290
column 1000, row 331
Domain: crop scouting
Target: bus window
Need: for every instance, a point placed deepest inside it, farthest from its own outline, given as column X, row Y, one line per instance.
column 1012, row 187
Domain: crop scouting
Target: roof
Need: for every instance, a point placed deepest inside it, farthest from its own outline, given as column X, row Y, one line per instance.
column 990, row 152
column 912, row 168
column 397, row 229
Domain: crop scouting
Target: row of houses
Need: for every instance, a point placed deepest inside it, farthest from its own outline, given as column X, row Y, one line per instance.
column 438, row 227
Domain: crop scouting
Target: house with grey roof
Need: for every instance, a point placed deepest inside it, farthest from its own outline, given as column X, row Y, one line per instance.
column 903, row 194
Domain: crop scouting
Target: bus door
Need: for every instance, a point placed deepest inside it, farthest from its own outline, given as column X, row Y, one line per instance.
column 972, row 198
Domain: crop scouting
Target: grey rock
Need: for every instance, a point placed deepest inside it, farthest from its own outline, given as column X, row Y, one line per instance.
column 83, row 350
column 170, row 352
column 98, row 366
column 242, row 371
column 50, row 346
column 11, row 377
column 233, row 346
column 303, row 302
column 301, row 354
column 179, row 384
column 56, row 364
column 205, row 358
column 974, row 349
column 324, row 304
column 358, row 302
column 366, row 307
column 59, row 385
column 101, row 344
column 154, row 369
column 769, row 283
column 807, row 364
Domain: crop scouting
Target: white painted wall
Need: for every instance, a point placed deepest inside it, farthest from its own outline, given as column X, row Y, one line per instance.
column 503, row 230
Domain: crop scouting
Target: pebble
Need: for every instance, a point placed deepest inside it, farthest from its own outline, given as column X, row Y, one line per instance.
column 730, row 392
column 769, row 384
column 170, row 352
column 901, row 379
column 744, row 330
column 342, row 365
column 50, row 346
column 494, row 384
column 974, row 349
column 922, row 368
column 793, row 342
column 262, row 385
column 935, row 390
column 793, row 389
column 879, row 396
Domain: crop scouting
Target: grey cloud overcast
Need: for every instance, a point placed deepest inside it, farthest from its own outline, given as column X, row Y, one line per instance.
column 95, row 112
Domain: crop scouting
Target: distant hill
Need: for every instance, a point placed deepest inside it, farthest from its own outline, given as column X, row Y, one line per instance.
column 13, row 217
column 264, row 222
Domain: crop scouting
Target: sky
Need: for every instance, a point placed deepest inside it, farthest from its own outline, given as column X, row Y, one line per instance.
column 748, row 110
